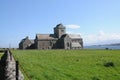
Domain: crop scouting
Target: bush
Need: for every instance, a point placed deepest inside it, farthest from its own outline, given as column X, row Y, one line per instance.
column 109, row 64
column 95, row 78
column 106, row 48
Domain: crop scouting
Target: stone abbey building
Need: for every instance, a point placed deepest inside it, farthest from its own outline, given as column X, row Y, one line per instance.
column 59, row 40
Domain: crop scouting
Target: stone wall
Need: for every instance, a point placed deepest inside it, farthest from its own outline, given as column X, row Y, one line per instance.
column 9, row 67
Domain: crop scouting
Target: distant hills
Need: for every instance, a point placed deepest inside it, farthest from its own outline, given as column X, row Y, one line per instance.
column 108, row 43
column 113, row 44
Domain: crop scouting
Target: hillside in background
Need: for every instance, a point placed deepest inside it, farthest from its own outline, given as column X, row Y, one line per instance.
column 105, row 43
column 113, row 44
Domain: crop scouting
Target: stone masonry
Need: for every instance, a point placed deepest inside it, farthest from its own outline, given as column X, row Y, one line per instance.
column 9, row 68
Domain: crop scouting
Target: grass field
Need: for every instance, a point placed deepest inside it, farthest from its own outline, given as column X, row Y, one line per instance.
column 69, row 64
column 1, row 55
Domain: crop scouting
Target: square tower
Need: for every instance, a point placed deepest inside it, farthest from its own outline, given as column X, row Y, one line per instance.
column 59, row 30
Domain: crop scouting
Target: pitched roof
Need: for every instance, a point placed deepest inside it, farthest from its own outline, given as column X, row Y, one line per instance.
column 74, row 36
column 44, row 36
column 23, row 40
column 32, row 41
column 76, row 44
column 64, row 35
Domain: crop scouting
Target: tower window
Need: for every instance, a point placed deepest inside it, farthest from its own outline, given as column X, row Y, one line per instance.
column 68, row 45
column 62, row 30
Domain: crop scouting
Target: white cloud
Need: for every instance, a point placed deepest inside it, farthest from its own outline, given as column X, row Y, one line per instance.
column 72, row 26
column 101, row 33
column 100, row 38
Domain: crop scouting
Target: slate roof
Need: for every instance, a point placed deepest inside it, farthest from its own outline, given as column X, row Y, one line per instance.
column 44, row 36
column 74, row 36
column 76, row 44
column 64, row 35
column 32, row 41
column 23, row 40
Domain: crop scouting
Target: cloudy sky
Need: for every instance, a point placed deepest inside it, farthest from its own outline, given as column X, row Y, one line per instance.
column 98, row 21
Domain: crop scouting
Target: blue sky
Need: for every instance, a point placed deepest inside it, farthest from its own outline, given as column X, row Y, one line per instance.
column 98, row 20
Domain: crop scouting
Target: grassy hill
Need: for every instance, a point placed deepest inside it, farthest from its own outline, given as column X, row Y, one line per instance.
column 70, row 64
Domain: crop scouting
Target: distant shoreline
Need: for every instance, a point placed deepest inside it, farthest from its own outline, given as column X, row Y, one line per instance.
column 102, row 47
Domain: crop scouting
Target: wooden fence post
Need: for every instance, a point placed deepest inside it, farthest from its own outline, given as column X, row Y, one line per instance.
column 17, row 70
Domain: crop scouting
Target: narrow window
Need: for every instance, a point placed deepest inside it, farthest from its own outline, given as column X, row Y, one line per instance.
column 62, row 30
column 68, row 45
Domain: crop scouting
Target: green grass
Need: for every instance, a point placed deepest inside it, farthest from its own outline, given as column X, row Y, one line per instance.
column 69, row 64
column 1, row 55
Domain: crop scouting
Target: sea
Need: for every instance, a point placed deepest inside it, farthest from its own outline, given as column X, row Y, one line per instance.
column 102, row 47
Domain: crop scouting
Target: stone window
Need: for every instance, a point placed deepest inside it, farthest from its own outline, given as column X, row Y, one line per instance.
column 62, row 30
column 68, row 44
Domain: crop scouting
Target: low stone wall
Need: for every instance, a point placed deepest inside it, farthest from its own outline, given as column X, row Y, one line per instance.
column 9, row 67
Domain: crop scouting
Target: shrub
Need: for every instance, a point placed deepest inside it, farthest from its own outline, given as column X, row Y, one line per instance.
column 95, row 78
column 109, row 64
